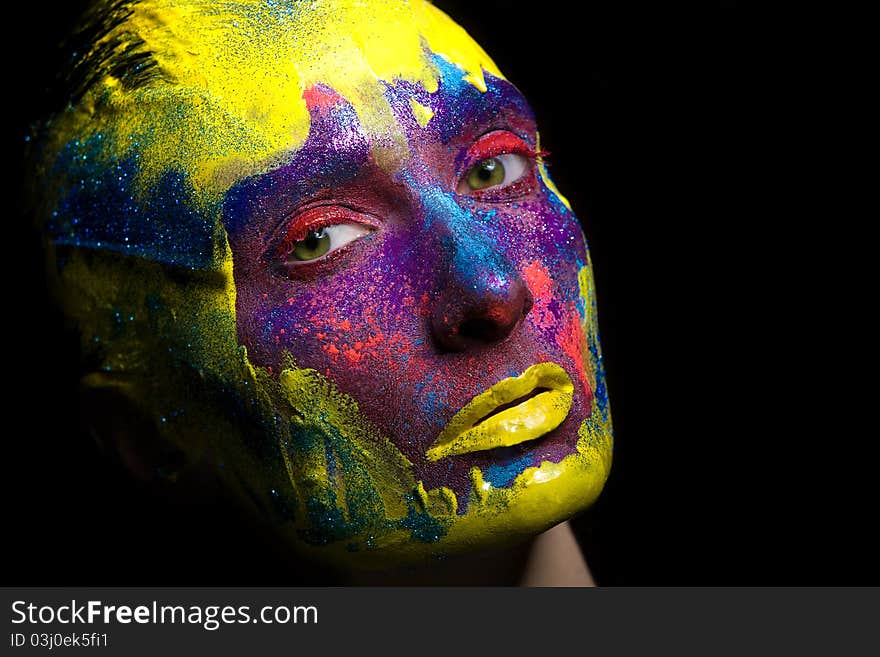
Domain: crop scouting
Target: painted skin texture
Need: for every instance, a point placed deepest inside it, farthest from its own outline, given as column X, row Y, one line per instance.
column 431, row 384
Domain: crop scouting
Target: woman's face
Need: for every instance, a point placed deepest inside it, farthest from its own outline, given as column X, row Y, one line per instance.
column 445, row 274
column 413, row 294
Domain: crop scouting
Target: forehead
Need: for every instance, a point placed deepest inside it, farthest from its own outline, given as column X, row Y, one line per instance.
column 196, row 96
column 240, row 72
column 432, row 134
column 455, row 111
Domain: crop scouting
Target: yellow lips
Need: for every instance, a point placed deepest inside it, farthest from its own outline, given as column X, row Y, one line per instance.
column 526, row 421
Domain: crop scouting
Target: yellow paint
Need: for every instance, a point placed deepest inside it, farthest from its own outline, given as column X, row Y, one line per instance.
column 422, row 113
column 234, row 97
column 422, row 494
column 525, row 421
column 590, row 323
column 479, row 486
column 136, row 318
column 321, row 409
column 98, row 282
column 538, row 498
column 542, row 170
column 449, row 500
column 438, row 502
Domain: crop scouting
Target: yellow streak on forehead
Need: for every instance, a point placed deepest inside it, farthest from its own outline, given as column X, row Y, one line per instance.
column 422, row 113
column 228, row 100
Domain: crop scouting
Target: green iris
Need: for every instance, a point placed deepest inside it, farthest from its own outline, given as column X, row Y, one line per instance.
column 487, row 173
column 315, row 244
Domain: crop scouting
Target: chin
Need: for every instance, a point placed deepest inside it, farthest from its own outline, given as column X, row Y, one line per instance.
column 355, row 500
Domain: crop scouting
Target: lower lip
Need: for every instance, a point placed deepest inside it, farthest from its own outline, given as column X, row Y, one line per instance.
column 526, row 421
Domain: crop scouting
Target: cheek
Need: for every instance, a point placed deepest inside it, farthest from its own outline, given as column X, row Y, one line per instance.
column 364, row 318
column 550, row 267
column 555, row 233
column 370, row 318
column 543, row 236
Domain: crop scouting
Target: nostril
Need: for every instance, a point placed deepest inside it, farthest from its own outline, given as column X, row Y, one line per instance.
column 463, row 318
column 478, row 328
column 528, row 302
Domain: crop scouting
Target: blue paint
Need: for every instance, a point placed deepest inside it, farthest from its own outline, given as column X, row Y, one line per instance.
column 97, row 208
column 580, row 302
column 504, row 474
column 423, row 526
column 459, row 104
column 601, row 392
column 477, row 261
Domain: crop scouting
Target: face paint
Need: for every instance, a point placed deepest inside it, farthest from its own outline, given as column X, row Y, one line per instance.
column 318, row 243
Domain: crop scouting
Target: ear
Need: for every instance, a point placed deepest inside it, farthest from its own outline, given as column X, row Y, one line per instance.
column 116, row 414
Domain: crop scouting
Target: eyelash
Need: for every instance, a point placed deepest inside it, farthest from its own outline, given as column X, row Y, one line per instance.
column 314, row 219
column 318, row 218
column 498, row 142
column 493, row 145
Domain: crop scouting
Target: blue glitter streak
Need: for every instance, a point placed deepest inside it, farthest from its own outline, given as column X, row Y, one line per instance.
column 100, row 210
column 502, row 475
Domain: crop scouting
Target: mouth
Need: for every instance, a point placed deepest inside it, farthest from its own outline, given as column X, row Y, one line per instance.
column 512, row 411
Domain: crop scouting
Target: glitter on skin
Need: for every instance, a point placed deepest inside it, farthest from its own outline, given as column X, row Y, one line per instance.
column 319, row 388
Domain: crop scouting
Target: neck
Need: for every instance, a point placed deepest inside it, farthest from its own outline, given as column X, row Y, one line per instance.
column 551, row 559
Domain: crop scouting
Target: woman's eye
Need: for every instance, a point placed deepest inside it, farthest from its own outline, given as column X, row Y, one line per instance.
column 321, row 241
column 314, row 233
column 498, row 171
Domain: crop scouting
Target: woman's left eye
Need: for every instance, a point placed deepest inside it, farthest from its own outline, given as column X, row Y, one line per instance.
column 499, row 171
column 321, row 241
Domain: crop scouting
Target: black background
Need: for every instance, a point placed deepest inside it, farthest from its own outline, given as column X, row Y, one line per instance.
column 734, row 460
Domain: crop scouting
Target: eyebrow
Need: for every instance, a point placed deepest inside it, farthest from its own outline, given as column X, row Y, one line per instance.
column 335, row 150
column 457, row 103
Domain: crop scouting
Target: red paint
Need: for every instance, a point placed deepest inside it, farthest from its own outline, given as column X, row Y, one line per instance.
column 312, row 220
column 352, row 355
column 538, row 280
column 571, row 340
column 498, row 143
column 320, row 99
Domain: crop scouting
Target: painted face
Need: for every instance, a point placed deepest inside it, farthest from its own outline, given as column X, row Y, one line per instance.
column 327, row 235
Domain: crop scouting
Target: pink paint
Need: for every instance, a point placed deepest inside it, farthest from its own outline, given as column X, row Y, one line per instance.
column 320, row 98
column 537, row 278
column 352, row 355
column 571, row 340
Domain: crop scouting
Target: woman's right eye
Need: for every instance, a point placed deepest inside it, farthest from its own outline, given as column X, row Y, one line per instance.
column 315, row 233
column 319, row 242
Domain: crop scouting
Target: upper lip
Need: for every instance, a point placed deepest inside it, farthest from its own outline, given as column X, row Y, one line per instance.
column 484, row 424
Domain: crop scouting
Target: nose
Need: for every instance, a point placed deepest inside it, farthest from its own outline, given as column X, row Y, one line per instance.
column 482, row 296
column 480, row 313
